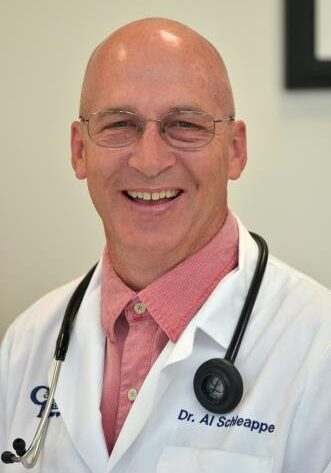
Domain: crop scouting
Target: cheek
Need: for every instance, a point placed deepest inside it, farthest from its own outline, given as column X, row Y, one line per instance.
column 101, row 173
column 214, row 179
column 102, row 165
column 212, row 172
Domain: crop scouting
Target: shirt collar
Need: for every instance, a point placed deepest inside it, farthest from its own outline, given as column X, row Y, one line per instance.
column 174, row 298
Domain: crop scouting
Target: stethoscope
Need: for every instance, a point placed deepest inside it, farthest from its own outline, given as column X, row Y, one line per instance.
column 217, row 384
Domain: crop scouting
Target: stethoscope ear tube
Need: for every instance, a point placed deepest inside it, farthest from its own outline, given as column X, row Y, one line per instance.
column 217, row 383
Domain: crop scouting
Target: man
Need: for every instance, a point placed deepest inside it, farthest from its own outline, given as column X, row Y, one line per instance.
column 157, row 142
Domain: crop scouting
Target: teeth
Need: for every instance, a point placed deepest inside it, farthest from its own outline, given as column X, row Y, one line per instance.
column 168, row 194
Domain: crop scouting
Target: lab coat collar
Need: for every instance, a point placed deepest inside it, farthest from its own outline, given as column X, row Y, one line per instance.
column 80, row 383
column 219, row 315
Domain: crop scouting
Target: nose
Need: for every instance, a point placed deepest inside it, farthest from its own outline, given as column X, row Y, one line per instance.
column 151, row 155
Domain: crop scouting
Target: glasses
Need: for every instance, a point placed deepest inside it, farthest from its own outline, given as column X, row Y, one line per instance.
column 181, row 129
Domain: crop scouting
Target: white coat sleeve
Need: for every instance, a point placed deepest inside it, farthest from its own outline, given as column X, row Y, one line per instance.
column 309, row 442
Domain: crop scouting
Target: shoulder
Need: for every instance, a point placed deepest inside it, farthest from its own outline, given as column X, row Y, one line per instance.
column 41, row 317
column 291, row 307
column 29, row 342
column 306, row 302
column 296, row 314
column 297, row 286
column 281, row 280
column 46, row 314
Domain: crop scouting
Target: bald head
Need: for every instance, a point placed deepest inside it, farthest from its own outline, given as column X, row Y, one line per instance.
column 158, row 44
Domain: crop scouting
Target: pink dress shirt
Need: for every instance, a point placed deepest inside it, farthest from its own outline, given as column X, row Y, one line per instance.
column 138, row 325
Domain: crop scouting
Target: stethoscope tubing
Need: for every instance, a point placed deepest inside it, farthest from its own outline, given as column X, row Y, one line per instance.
column 63, row 339
column 252, row 293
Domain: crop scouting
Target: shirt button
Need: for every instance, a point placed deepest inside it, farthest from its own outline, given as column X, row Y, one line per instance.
column 132, row 394
column 139, row 308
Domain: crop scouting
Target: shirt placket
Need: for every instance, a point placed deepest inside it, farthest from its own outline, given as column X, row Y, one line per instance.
column 136, row 357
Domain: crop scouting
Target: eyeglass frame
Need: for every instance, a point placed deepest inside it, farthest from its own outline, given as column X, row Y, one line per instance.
column 142, row 123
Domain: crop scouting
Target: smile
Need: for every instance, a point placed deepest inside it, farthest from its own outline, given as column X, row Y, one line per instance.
column 164, row 195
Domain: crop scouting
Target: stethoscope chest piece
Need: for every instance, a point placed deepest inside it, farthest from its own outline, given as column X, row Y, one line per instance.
column 218, row 386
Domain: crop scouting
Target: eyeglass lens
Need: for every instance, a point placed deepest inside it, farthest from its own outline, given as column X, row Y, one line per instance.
column 180, row 129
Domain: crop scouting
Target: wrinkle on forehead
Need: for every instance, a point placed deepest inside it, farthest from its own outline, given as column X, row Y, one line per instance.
column 160, row 45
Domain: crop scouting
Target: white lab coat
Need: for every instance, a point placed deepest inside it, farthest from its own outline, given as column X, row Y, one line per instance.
column 281, row 425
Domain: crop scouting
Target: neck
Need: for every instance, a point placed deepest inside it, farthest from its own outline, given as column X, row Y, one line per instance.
column 139, row 267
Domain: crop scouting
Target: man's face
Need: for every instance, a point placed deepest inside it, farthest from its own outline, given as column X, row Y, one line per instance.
column 152, row 83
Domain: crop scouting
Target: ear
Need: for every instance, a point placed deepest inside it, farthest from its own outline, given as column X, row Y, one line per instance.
column 238, row 150
column 78, row 160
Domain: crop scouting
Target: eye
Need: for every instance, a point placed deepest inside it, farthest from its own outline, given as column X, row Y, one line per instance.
column 183, row 124
column 122, row 124
column 116, row 124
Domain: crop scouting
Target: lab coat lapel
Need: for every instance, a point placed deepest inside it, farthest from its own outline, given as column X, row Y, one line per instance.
column 150, row 393
column 218, row 317
column 80, row 382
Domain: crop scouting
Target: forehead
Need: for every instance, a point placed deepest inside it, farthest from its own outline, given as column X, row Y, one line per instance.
column 162, row 74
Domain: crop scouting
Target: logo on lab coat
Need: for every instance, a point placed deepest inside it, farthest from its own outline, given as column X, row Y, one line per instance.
column 39, row 396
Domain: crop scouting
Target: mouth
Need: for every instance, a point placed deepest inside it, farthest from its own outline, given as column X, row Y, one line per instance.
column 152, row 198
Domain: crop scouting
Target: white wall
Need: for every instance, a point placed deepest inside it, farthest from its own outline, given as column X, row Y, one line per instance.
column 49, row 232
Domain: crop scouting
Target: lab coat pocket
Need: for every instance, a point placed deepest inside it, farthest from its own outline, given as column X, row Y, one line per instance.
column 193, row 460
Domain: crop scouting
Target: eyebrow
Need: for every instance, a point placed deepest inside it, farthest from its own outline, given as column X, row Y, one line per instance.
column 192, row 107
column 117, row 109
column 189, row 107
